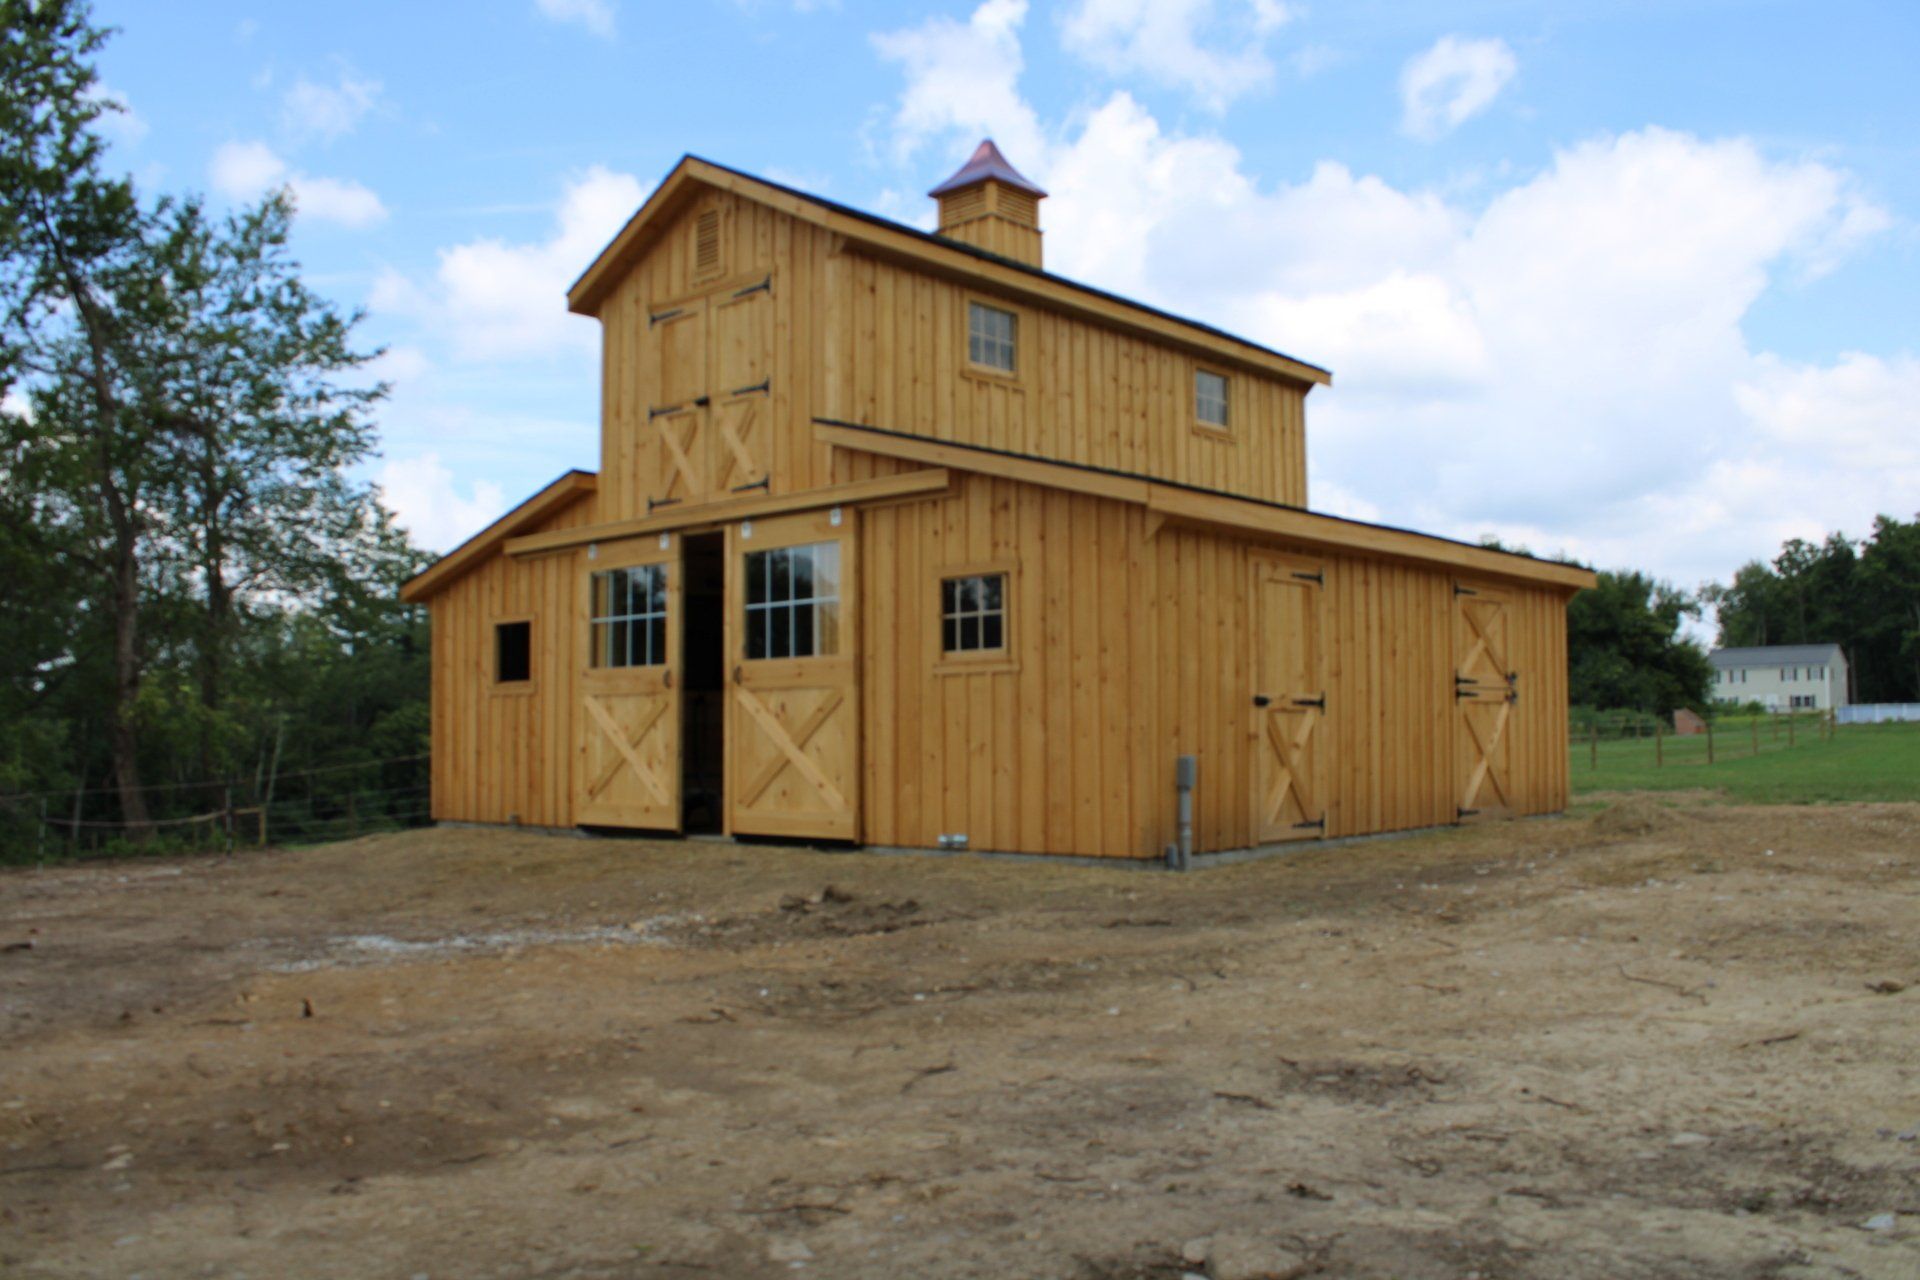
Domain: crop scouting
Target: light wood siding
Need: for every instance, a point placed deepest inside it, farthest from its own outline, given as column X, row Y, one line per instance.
column 1129, row 651
column 502, row 753
column 1084, row 394
column 758, row 244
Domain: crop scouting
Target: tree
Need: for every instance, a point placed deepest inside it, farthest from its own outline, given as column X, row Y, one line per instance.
column 1862, row 596
column 69, row 244
column 1625, row 649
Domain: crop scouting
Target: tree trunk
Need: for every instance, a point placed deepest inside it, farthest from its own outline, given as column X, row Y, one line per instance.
column 123, row 736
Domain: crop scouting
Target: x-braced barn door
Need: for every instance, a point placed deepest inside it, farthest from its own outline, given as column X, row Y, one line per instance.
column 1289, row 699
column 1485, row 688
column 629, row 721
column 709, row 418
column 679, row 407
column 793, row 712
column 742, row 388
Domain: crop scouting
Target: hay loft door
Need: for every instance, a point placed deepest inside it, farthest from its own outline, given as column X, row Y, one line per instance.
column 630, row 690
column 742, row 432
column 678, row 412
column 1485, row 687
column 1289, row 699
column 793, row 714
column 709, row 421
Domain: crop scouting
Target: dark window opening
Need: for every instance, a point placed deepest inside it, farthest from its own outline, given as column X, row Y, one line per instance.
column 513, row 652
column 973, row 616
column 630, row 617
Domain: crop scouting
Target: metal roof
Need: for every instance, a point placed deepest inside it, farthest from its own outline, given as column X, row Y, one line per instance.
column 987, row 162
column 1777, row 655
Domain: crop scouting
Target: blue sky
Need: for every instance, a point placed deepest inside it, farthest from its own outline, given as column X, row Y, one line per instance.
column 1631, row 280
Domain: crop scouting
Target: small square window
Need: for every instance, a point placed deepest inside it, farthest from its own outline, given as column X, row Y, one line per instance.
column 991, row 337
column 512, row 652
column 1210, row 398
column 973, row 614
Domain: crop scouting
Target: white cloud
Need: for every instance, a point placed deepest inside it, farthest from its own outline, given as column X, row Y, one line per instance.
column 429, row 504
column 328, row 111
column 1560, row 361
column 1452, row 82
column 248, row 170
column 496, row 300
column 595, row 15
column 1215, row 52
column 963, row 77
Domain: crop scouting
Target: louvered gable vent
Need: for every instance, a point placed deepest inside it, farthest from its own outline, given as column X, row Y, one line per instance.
column 706, row 245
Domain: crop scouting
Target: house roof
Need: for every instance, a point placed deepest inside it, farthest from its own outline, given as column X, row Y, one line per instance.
column 931, row 252
column 987, row 162
column 1778, row 655
column 569, row 488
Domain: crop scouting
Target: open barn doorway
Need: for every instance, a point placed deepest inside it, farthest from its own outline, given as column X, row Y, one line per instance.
column 703, row 758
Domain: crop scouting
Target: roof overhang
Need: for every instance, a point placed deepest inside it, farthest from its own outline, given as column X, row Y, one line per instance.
column 1246, row 517
column 930, row 253
column 550, row 501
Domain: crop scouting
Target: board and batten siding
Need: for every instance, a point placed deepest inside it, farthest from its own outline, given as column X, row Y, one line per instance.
column 506, row 753
column 855, row 338
column 1129, row 650
column 1082, row 394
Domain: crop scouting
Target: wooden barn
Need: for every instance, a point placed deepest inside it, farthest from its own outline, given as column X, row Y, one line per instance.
column 898, row 539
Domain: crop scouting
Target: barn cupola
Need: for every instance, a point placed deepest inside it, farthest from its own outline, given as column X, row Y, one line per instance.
column 989, row 205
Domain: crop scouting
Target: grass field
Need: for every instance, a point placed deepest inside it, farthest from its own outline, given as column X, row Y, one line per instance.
column 1857, row 763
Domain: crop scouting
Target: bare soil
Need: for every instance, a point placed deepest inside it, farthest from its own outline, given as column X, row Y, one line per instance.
column 1637, row 1042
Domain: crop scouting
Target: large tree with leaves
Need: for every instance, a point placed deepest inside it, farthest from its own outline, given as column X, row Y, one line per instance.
column 1626, row 649
column 183, row 422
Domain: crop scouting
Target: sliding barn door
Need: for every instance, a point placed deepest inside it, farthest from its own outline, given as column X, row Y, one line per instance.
column 1289, row 699
column 1485, row 689
column 793, row 712
column 629, row 721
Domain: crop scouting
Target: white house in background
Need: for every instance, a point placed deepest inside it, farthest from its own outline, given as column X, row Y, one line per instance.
column 1782, row 677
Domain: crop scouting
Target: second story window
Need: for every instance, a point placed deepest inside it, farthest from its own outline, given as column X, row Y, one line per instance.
column 992, row 335
column 1210, row 399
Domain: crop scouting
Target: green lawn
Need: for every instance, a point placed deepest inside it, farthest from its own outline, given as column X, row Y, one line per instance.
column 1859, row 762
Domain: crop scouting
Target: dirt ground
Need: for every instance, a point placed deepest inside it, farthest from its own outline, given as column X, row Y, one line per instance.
column 1642, row 1042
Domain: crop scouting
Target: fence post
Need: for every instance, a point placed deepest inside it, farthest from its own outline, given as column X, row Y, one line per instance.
column 1755, row 726
column 1593, row 747
column 40, row 834
column 1709, row 742
column 353, row 816
column 1789, row 730
column 1659, row 744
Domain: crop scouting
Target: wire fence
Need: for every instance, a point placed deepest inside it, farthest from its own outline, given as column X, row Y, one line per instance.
column 337, row 801
column 1616, row 738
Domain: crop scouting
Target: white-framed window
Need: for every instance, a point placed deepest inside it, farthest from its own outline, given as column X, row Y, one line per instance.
column 630, row 616
column 993, row 336
column 793, row 601
column 1210, row 406
column 973, row 613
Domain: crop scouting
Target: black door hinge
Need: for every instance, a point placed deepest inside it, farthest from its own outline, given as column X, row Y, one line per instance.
column 1262, row 700
column 1316, row 576
column 1320, row 823
column 761, row 387
column 1464, row 813
column 655, row 317
column 754, row 288
column 661, row 411
column 1464, row 591
column 762, row 483
column 653, row 503
column 1320, row 702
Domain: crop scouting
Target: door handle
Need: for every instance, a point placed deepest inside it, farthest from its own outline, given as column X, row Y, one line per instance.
column 736, row 675
column 1262, row 700
column 666, row 678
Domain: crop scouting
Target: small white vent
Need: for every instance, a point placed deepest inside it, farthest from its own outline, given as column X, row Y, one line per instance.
column 706, row 245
